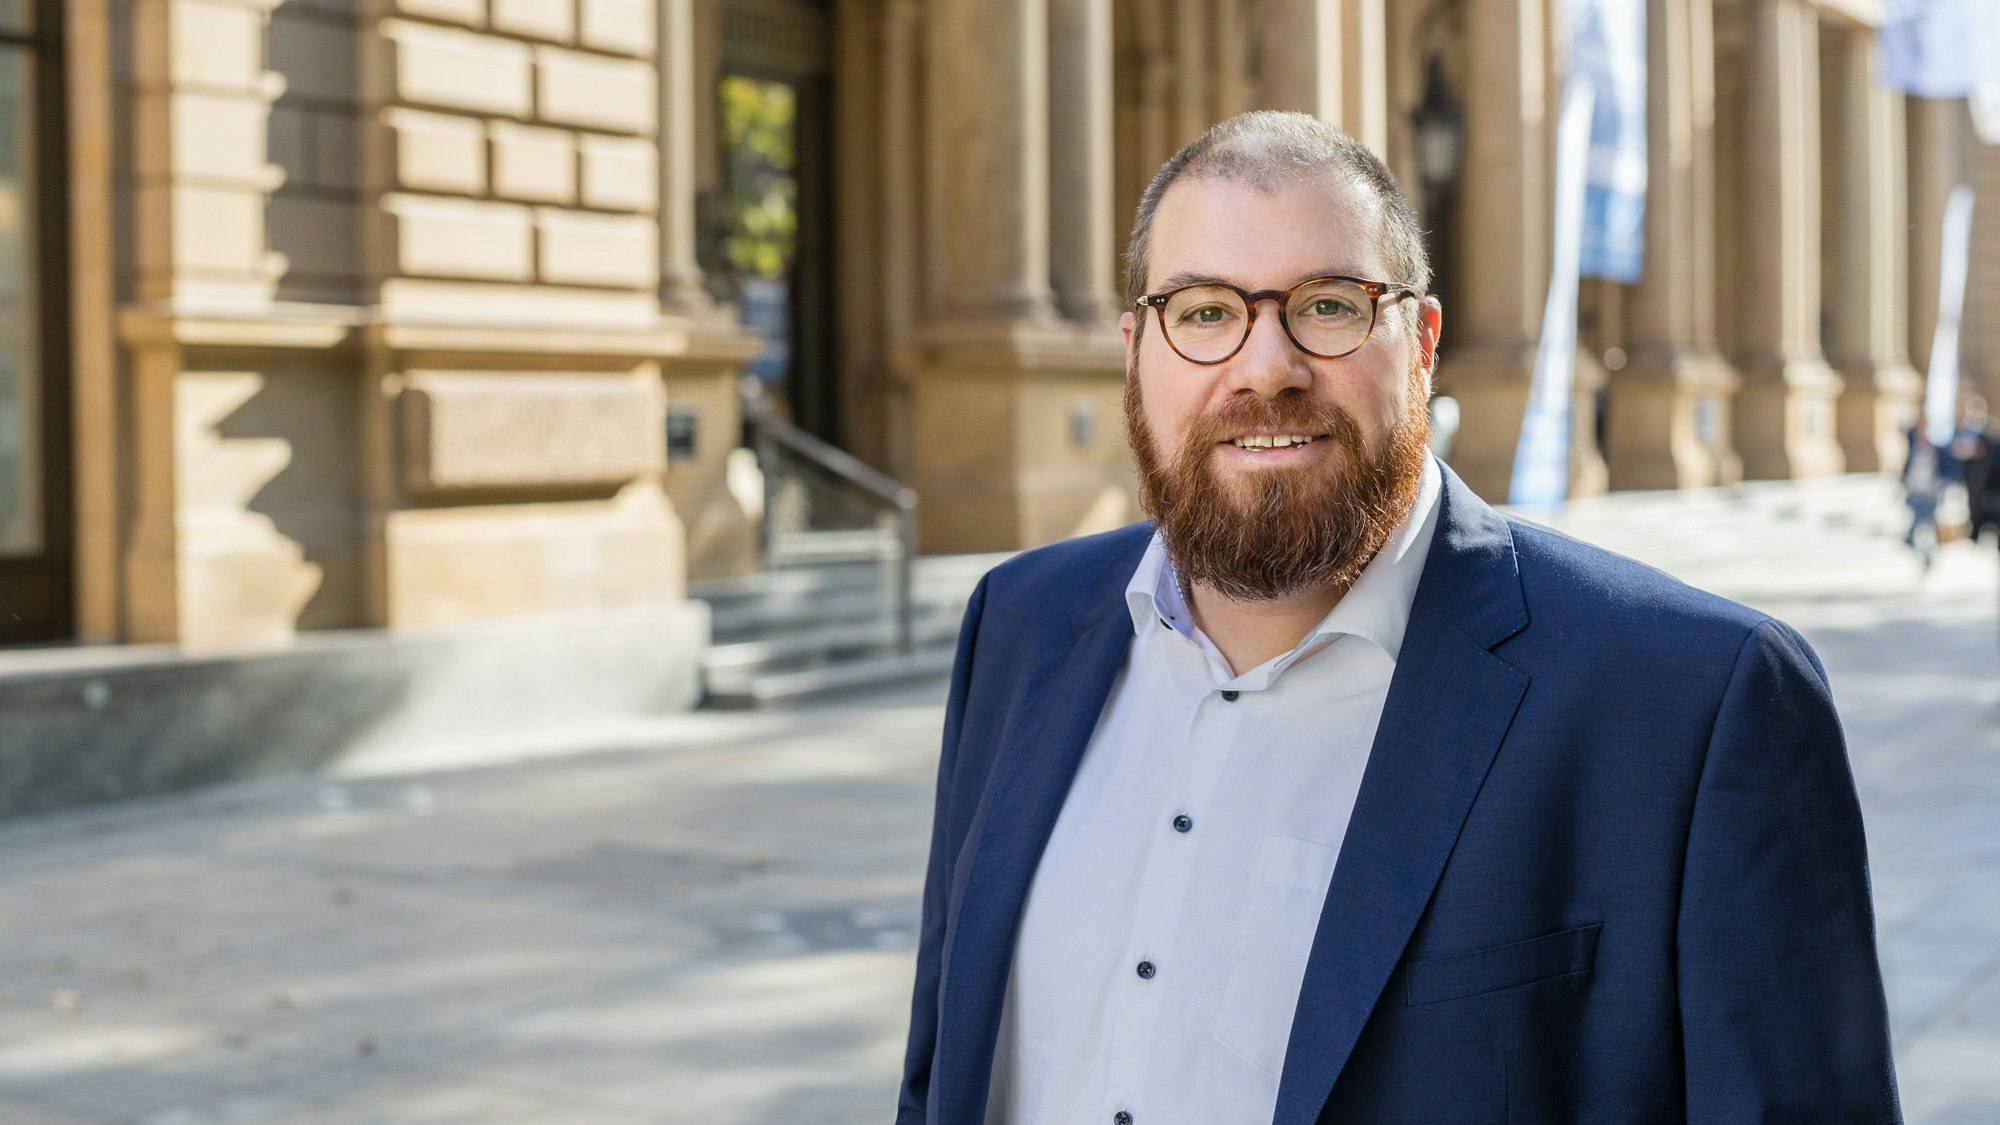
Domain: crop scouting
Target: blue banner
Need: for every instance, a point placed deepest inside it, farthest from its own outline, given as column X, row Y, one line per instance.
column 1541, row 456
column 1608, row 52
column 1940, row 48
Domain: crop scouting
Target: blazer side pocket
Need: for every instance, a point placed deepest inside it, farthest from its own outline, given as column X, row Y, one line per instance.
column 1437, row 979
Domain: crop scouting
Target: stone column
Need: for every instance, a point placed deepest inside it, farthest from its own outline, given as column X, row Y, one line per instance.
column 1235, row 89
column 1364, row 73
column 1495, row 319
column 681, row 285
column 1082, row 221
column 1937, row 164
column 1785, row 409
column 1014, row 419
column 1329, row 58
column 1870, row 283
column 1663, row 403
column 1300, row 41
column 988, row 144
column 1194, row 70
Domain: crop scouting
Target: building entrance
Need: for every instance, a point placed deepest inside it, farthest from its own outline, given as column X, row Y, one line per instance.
column 36, row 584
column 775, row 100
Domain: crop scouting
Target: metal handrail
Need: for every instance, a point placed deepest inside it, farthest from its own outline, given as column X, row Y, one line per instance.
column 773, row 432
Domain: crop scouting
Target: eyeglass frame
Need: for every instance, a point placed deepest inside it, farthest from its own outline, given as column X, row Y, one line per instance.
column 1376, row 290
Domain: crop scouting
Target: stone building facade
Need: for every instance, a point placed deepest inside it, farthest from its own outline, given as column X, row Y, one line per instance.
column 371, row 313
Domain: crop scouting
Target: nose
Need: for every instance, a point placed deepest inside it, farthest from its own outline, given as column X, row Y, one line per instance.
column 1269, row 363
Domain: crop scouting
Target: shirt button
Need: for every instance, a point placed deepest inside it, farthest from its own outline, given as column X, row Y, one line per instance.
column 1146, row 970
column 1121, row 1118
column 1229, row 697
column 1183, row 822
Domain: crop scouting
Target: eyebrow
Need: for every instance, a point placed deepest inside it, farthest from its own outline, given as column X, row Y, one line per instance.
column 1195, row 277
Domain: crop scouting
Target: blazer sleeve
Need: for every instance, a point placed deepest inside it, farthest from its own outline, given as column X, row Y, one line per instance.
column 1781, row 1002
column 911, row 1105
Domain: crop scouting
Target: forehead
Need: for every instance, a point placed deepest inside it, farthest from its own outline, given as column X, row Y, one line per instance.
column 1264, row 237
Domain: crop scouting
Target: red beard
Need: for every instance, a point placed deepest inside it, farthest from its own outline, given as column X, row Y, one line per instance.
column 1279, row 531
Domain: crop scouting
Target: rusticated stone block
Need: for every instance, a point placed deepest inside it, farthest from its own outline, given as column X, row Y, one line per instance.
column 220, row 138
column 534, row 164
column 620, row 174
column 536, row 19
column 593, row 91
column 609, row 250
column 215, row 46
column 522, row 431
column 461, row 238
column 439, row 152
column 471, row 13
column 621, row 26
column 454, row 69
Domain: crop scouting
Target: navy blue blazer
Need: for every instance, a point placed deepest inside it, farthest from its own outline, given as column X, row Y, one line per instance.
column 1606, row 864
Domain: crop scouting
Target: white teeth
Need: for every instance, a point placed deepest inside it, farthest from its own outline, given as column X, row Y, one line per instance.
column 1267, row 441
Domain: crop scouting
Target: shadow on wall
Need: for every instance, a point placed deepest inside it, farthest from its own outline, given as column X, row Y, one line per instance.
column 312, row 227
column 280, row 456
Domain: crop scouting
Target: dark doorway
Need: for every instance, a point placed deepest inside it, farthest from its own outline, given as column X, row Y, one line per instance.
column 776, row 105
column 36, row 534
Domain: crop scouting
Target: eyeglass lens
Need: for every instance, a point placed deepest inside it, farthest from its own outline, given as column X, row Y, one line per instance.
column 1328, row 318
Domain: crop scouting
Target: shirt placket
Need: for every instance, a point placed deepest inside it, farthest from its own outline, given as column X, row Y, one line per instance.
column 1144, row 998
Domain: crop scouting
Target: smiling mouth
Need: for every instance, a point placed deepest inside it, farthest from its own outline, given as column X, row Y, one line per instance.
column 1260, row 442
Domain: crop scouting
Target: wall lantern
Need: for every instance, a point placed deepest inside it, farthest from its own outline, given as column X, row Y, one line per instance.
column 1439, row 125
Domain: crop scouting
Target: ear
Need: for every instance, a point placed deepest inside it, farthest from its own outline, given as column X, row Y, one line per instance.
column 1127, row 324
column 1430, row 325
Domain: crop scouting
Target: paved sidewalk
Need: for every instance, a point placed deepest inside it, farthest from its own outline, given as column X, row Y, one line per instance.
column 711, row 919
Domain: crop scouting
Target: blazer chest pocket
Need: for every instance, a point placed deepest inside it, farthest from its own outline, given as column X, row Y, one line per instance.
column 1437, row 979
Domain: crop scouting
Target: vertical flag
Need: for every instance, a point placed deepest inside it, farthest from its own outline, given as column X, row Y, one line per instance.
column 1941, row 381
column 1541, row 460
column 1940, row 48
column 1946, row 49
column 1600, row 220
column 1608, row 50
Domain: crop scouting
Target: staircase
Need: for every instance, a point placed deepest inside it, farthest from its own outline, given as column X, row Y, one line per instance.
column 795, row 633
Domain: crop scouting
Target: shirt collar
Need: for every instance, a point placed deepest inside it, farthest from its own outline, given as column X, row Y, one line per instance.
column 1377, row 608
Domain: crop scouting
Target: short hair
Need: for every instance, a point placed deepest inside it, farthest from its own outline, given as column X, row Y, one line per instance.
column 1267, row 149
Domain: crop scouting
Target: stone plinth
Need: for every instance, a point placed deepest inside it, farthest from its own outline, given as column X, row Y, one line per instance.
column 1019, row 436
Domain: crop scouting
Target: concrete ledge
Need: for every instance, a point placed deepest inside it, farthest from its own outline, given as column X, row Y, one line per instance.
column 79, row 726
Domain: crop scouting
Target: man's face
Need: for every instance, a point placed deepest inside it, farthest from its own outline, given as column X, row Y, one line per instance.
column 1259, row 523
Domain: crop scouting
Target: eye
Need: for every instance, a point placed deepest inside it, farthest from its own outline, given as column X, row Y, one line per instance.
column 1332, row 307
column 1205, row 315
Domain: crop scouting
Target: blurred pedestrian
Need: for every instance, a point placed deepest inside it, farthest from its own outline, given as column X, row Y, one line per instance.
column 1975, row 451
column 1923, row 484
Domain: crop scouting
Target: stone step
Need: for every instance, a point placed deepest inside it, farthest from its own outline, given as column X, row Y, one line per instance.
column 846, row 675
column 805, row 631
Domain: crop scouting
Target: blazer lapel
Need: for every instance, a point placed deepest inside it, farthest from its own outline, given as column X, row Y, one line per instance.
column 1050, row 725
column 1449, row 705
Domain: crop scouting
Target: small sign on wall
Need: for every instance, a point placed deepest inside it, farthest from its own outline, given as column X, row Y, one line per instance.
column 1082, row 423
column 683, row 424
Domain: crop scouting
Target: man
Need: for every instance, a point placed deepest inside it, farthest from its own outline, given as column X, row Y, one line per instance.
column 1336, row 796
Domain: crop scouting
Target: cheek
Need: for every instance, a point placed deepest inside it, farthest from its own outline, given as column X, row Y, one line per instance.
column 1167, row 405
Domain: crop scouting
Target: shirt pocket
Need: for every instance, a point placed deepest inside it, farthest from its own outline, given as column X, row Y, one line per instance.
column 1437, row 979
column 1274, row 935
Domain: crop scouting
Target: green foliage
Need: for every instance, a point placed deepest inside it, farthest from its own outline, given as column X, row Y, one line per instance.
column 759, row 121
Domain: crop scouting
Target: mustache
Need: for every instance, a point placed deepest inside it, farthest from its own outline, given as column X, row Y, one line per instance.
column 1289, row 415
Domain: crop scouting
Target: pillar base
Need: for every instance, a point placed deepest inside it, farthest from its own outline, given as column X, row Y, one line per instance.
column 1669, row 421
column 1784, row 419
column 1019, row 435
column 1490, row 383
column 1880, row 401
